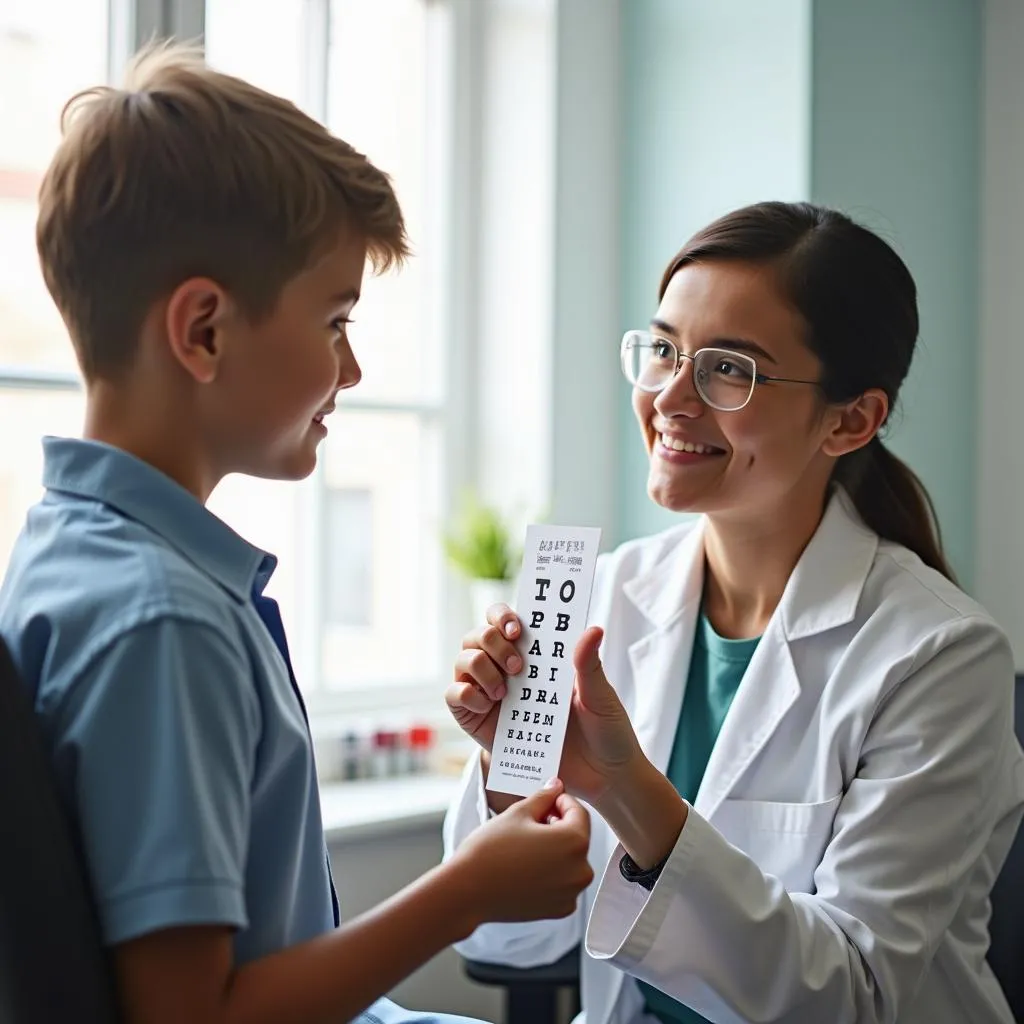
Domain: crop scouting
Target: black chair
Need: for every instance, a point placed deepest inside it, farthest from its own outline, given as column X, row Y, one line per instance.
column 531, row 994
column 1006, row 954
column 52, row 963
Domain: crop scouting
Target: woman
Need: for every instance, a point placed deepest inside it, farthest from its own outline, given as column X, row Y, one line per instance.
column 800, row 741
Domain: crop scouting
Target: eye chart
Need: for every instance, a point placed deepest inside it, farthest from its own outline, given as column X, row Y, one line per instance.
column 554, row 596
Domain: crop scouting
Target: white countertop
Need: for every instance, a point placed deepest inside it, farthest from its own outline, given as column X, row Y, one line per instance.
column 376, row 807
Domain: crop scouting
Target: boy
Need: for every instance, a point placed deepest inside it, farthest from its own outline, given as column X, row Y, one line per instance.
column 205, row 244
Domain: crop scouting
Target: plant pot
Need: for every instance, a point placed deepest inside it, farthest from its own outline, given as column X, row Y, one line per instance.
column 484, row 593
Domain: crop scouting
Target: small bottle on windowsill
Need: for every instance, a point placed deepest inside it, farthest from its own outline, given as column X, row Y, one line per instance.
column 351, row 768
column 421, row 739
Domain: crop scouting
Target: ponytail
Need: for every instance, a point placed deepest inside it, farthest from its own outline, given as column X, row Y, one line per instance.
column 893, row 502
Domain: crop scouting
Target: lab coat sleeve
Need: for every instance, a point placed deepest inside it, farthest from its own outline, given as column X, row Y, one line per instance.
column 719, row 935
column 526, row 944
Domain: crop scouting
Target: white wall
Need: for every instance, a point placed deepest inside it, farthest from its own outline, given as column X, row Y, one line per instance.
column 516, row 202
column 587, row 265
column 548, row 258
column 1000, row 453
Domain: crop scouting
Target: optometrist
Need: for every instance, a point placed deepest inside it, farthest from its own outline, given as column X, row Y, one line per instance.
column 794, row 726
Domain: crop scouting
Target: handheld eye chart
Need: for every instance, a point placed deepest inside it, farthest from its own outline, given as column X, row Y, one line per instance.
column 554, row 597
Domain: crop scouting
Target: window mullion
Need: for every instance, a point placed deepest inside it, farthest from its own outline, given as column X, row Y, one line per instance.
column 134, row 23
column 27, row 378
column 457, row 162
column 316, row 44
column 123, row 17
column 317, row 40
column 184, row 19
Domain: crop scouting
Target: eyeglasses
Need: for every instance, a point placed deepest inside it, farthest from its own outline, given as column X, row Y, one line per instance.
column 724, row 379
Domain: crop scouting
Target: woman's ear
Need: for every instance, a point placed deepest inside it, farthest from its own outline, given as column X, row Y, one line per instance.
column 859, row 421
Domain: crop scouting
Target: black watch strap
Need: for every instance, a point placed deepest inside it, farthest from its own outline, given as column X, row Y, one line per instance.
column 631, row 872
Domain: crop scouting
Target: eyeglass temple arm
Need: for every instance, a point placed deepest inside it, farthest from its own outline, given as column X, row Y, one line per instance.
column 764, row 378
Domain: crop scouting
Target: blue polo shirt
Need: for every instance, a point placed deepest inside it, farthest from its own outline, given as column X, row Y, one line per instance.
column 161, row 681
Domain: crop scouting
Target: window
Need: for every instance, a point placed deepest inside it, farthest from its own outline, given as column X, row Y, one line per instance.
column 361, row 576
column 455, row 99
column 361, row 579
column 49, row 49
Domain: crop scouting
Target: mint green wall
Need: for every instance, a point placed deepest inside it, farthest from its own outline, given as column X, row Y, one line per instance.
column 715, row 114
column 872, row 106
column 896, row 142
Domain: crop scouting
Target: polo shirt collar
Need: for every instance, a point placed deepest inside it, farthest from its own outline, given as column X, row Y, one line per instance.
column 103, row 473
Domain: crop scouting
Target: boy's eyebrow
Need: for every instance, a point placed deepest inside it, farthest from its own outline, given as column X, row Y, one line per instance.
column 349, row 295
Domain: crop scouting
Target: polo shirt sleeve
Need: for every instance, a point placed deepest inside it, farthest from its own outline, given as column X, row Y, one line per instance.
column 159, row 739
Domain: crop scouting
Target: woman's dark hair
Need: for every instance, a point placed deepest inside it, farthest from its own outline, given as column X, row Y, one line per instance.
column 859, row 303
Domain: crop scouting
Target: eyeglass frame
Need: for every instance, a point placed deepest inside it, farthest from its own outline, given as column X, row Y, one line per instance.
column 755, row 378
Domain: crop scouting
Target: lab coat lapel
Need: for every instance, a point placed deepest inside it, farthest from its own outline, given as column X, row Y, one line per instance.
column 822, row 594
column 669, row 596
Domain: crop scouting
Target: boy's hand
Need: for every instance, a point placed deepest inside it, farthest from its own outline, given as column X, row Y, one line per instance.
column 530, row 862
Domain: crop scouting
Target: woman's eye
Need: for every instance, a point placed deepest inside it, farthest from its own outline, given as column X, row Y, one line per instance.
column 661, row 350
column 727, row 368
column 341, row 324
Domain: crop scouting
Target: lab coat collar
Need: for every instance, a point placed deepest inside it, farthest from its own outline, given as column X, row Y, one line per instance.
column 822, row 593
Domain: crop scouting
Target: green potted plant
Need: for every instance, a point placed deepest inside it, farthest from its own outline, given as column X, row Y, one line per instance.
column 479, row 546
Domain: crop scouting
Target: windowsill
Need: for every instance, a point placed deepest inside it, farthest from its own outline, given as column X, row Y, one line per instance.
column 372, row 808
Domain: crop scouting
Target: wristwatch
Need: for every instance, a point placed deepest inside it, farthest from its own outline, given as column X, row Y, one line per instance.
column 632, row 872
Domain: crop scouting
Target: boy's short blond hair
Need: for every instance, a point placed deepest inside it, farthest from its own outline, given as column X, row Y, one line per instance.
column 189, row 172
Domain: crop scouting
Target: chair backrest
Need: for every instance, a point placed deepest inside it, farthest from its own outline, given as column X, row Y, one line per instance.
column 1006, row 954
column 52, row 962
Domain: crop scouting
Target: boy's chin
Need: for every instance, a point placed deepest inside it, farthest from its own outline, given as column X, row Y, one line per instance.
column 294, row 460
column 295, row 466
column 299, row 467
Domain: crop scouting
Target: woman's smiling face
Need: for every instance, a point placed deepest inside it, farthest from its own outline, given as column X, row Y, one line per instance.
column 754, row 457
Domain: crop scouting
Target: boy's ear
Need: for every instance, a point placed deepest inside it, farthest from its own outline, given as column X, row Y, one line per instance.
column 857, row 423
column 198, row 312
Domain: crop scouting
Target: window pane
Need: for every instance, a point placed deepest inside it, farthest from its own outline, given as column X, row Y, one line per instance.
column 269, row 514
column 348, row 543
column 378, row 100
column 381, row 472
column 25, row 417
column 49, row 49
column 259, row 40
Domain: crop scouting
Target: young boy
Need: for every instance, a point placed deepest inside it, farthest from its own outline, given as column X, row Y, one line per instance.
column 205, row 244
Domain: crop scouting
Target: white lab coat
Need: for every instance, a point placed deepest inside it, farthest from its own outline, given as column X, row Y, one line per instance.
column 859, row 802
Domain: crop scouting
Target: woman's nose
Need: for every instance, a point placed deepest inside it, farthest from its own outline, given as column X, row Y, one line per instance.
column 680, row 396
